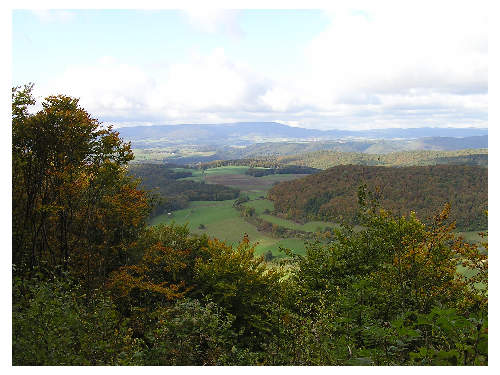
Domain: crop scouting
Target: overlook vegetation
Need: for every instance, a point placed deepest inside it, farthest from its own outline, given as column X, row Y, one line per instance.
column 94, row 284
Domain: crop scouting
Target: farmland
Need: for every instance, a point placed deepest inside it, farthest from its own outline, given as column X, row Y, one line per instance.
column 249, row 187
column 234, row 176
column 221, row 220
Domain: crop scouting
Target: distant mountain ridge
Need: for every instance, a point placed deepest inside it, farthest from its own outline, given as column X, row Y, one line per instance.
column 245, row 133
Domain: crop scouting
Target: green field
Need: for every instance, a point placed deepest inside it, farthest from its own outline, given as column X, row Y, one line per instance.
column 198, row 174
column 473, row 237
column 261, row 205
column 311, row 226
column 230, row 169
column 298, row 246
column 219, row 219
column 234, row 176
column 222, row 221
column 257, row 195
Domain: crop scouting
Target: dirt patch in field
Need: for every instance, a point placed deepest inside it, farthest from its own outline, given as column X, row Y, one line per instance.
column 241, row 181
column 246, row 182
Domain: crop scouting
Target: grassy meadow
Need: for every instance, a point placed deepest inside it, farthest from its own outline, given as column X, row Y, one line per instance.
column 221, row 220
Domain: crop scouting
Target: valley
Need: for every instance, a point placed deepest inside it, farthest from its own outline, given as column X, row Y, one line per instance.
column 223, row 220
column 220, row 219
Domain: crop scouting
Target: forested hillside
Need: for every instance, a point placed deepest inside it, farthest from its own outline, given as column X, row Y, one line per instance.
column 328, row 159
column 93, row 284
column 331, row 195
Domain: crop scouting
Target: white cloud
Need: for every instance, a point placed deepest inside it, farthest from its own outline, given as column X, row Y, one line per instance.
column 412, row 55
column 400, row 66
column 279, row 99
column 107, row 87
column 207, row 82
column 205, row 89
column 51, row 15
column 214, row 20
column 400, row 49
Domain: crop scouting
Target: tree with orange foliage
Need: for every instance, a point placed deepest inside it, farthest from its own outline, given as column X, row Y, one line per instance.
column 165, row 272
column 73, row 205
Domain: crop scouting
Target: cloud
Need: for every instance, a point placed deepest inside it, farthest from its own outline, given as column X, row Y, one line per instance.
column 372, row 67
column 399, row 49
column 106, row 88
column 205, row 89
column 51, row 15
column 209, row 83
column 411, row 55
column 215, row 21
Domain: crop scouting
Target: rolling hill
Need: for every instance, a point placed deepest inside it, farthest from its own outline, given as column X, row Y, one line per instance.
column 332, row 194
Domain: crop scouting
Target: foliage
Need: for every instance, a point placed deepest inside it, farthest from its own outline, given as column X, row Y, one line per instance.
column 189, row 333
column 367, row 281
column 441, row 337
column 72, row 203
column 55, row 323
column 243, row 285
column 326, row 158
column 331, row 195
column 165, row 272
column 93, row 285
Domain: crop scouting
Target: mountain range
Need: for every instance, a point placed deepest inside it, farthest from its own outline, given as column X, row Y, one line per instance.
column 245, row 133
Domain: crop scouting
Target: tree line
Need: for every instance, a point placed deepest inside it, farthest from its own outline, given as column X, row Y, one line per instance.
column 164, row 182
column 288, row 169
column 326, row 158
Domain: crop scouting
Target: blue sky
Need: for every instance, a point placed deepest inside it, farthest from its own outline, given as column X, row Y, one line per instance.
column 45, row 43
column 351, row 67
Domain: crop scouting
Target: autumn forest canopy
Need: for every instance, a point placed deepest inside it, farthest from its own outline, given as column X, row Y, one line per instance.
column 331, row 195
column 94, row 282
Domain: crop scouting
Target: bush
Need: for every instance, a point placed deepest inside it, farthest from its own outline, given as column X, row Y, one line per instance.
column 190, row 333
column 55, row 323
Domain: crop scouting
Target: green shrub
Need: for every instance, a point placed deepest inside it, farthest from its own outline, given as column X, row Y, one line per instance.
column 54, row 323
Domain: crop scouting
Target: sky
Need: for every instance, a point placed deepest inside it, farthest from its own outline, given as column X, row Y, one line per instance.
column 355, row 66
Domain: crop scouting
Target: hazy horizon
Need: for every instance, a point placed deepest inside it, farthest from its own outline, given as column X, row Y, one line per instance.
column 122, row 125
